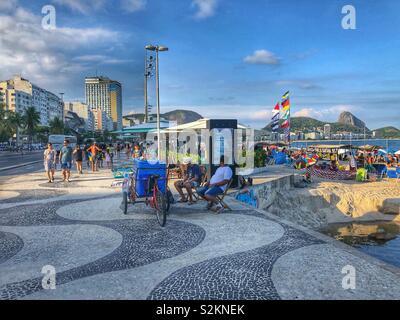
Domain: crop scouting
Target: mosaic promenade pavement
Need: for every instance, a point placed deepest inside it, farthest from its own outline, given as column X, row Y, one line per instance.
column 99, row 253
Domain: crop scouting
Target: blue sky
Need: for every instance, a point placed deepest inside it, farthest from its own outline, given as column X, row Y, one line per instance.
column 227, row 58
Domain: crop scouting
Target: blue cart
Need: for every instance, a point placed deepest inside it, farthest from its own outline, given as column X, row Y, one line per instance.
column 147, row 183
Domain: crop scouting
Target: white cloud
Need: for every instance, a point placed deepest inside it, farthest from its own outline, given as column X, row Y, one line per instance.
column 205, row 8
column 262, row 57
column 43, row 56
column 89, row 6
column 82, row 6
column 133, row 5
column 99, row 59
column 7, row 5
column 327, row 114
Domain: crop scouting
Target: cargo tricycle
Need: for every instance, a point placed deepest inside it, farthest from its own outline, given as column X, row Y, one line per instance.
column 147, row 183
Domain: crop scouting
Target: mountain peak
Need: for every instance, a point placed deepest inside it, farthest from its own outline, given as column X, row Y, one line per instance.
column 348, row 118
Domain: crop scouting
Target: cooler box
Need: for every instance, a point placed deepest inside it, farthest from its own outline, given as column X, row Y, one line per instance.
column 142, row 169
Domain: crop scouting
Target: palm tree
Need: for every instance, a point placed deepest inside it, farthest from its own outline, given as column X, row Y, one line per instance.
column 4, row 132
column 31, row 121
column 56, row 126
column 10, row 123
column 16, row 121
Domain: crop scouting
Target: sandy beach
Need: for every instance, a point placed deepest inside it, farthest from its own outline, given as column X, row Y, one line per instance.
column 325, row 202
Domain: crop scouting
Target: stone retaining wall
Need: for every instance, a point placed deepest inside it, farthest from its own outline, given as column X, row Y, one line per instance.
column 261, row 196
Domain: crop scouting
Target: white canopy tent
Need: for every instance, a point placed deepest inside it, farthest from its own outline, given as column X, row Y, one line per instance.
column 195, row 125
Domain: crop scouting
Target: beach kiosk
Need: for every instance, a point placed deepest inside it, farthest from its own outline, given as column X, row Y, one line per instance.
column 223, row 134
column 218, row 145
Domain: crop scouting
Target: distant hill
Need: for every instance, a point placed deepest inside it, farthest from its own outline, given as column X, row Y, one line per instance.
column 347, row 118
column 309, row 124
column 387, row 132
column 180, row 116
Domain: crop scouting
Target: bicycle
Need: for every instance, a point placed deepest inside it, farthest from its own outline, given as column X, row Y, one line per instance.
column 153, row 196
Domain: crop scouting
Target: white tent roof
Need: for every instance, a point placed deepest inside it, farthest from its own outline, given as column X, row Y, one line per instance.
column 196, row 125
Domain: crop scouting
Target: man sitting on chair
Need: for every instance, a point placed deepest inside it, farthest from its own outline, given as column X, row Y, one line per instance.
column 191, row 179
column 216, row 186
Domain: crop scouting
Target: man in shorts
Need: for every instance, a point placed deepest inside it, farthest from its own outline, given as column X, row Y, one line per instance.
column 216, row 186
column 49, row 160
column 66, row 160
column 190, row 180
column 94, row 151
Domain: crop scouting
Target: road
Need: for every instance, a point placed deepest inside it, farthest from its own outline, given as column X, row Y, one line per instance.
column 8, row 159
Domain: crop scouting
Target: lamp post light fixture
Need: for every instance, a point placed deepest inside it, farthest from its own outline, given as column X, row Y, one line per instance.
column 148, row 73
column 157, row 49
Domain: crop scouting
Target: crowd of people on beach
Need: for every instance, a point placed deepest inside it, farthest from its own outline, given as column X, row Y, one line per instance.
column 335, row 161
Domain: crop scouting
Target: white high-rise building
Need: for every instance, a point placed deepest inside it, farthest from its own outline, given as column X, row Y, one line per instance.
column 106, row 95
column 18, row 94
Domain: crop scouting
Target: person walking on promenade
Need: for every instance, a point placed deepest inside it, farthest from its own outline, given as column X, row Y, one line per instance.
column 118, row 151
column 128, row 151
column 110, row 150
column 87, row 156
column 78, row 157
column 100, row 156
column 49, row 158
column 108, row 159
column 94, row 149
column 66, row 160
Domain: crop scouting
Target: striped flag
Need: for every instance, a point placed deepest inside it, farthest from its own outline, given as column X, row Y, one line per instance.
column 286, row 115
column 275, row 118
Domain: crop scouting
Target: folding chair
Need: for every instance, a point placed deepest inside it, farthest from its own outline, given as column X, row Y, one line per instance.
column 221, row 197
column 203, row 181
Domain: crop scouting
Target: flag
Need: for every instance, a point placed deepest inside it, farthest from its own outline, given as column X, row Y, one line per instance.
column 275, row 118
column 286, row 116
column 285, row 124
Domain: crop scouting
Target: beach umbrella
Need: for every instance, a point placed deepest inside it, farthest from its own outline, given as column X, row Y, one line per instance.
column 381, row 151
column 397, row 152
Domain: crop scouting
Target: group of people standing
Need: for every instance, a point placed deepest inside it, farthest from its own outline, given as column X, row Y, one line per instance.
column 94, row 155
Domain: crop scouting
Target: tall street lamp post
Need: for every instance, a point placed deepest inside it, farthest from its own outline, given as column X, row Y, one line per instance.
column 148, row 73
column 157, row 49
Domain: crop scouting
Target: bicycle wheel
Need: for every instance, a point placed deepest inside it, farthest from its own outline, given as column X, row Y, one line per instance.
column 168, row 200
column 161, row 208
column 125, row 202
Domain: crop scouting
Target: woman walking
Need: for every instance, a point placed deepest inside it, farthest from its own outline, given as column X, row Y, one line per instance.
column 50, row 158
column 78, row 157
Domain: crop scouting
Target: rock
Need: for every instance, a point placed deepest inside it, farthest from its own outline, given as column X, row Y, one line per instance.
column 350, row 119
column 390, row 206
column 382, row 236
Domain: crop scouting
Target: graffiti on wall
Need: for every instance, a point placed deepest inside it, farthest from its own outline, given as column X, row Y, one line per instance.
column 247, row 196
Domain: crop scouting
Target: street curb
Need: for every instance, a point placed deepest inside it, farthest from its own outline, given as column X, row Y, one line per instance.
column 20, row 165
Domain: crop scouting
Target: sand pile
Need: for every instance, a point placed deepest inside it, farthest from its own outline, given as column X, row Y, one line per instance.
column 327, row 202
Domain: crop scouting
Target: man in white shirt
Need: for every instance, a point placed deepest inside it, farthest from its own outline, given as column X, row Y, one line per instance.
column 217, row 185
